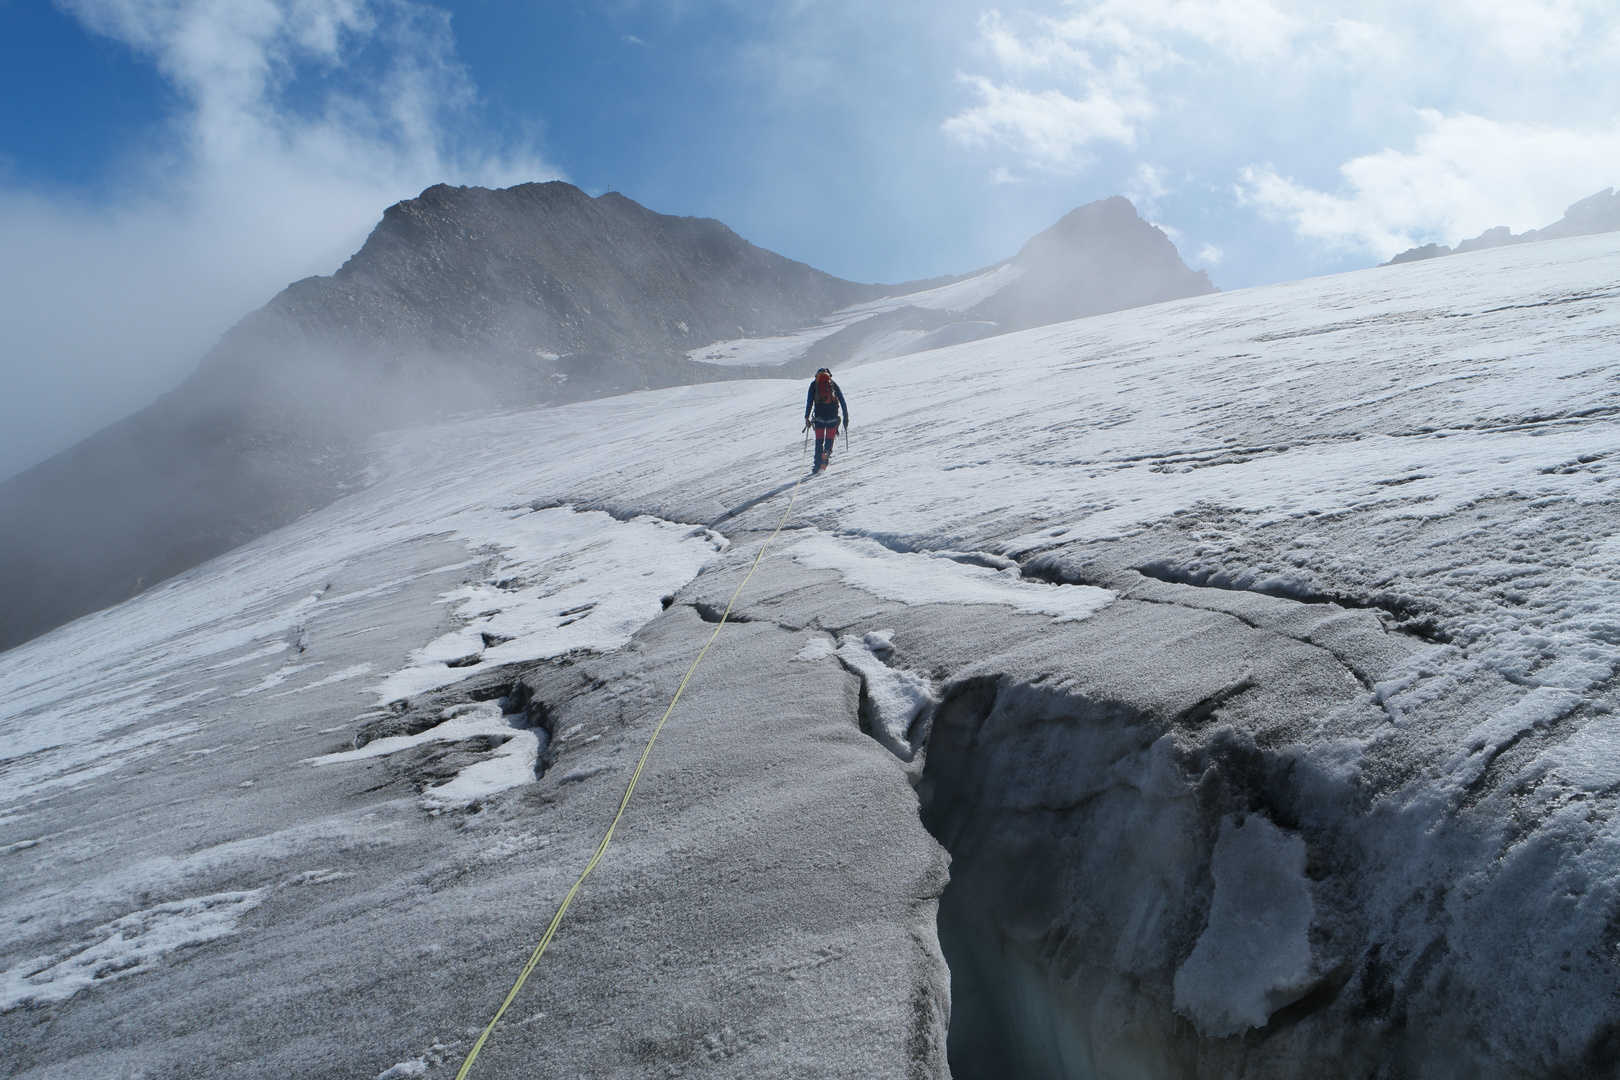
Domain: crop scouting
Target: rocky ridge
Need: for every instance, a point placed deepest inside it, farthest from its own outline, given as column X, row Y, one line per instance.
column 1598, row 213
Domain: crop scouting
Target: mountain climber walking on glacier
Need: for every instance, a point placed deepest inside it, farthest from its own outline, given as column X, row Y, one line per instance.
column 822, row 403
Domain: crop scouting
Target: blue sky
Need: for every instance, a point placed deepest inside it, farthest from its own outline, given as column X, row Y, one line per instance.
column 167, row 165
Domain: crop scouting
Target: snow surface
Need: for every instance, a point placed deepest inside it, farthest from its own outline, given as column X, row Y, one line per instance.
column 567, row 584
column 1254, row 955
column 957, row 296
column 556, row 581
column 1432, row 444
column 938, row 578
column 785, row 348
column 511, row 764
column 128, row 946
column 766, row 351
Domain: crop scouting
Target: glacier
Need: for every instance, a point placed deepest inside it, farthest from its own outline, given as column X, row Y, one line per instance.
column 1224, row 687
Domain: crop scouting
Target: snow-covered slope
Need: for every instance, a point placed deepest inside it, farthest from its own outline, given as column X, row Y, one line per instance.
column 1253, row 655
column 951, row 300
column 1099, row 257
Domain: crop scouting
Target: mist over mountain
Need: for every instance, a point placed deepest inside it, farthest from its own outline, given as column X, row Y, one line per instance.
column 514, row 294
column 1598, row 213
column 469, row 300
column 1073, row 269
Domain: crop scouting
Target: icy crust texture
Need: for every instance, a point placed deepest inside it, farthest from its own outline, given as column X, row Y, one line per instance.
column 1136, row 898
column 535, row 584
column 1255, row 654
column 1254, row 955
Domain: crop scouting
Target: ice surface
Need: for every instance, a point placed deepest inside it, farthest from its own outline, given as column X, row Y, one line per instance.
column 555, row 581
column 354, row 671
column 765, row 351
column 818, row 648
column 957, row 296
column 957, row 333
column 1343, row 547
column 568, row 581
column 413, row 1067
column 127, row 946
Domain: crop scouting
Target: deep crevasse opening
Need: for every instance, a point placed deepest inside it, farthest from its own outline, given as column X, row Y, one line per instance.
column 1012, row 1020
column 1005, row 803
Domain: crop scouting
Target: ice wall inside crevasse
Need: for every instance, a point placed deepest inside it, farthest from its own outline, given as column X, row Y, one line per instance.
column 1136, row 895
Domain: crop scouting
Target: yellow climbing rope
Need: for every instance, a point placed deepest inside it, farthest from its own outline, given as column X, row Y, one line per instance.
column 607, row 838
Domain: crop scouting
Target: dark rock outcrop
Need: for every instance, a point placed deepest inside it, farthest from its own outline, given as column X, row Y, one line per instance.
column 1598, row 213
column 466, row 299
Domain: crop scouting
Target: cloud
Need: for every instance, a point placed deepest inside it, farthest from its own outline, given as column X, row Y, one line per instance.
column 1532, row 30
column 1047, row 129
column 1094, row 97
column 1146, row 187
column 1088, row 75
column 298, row 122
column 1365, row 127
column 1244, row 29
column 1464, row 175
column 1363, row 47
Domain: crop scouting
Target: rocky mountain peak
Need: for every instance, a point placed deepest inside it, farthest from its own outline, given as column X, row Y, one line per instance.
column 1099, row 257
column 533, row 292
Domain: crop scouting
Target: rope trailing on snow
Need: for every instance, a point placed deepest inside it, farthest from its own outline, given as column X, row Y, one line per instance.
column 607, row 837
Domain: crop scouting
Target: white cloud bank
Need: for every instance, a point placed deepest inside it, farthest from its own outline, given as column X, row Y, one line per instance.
column 1488, row 112
column 300, row 120
column 1463, row 170
column 1088, row 74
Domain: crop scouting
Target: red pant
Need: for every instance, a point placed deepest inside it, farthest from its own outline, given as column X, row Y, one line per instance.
column 825, row 434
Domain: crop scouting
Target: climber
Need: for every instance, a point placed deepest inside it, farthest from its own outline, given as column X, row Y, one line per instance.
column 822, row 403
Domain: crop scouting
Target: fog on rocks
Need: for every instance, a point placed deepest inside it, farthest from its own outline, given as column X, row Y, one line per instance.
column 1222, row 687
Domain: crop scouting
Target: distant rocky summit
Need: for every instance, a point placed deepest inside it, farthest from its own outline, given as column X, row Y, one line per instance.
column 1101, row 257
column 467, row 300
column 1598, row 213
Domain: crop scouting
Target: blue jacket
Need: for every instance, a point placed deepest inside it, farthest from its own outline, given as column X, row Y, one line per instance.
column 825, row 412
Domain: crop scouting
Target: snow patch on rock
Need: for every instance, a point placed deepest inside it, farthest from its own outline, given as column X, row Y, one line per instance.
column 509, row 765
